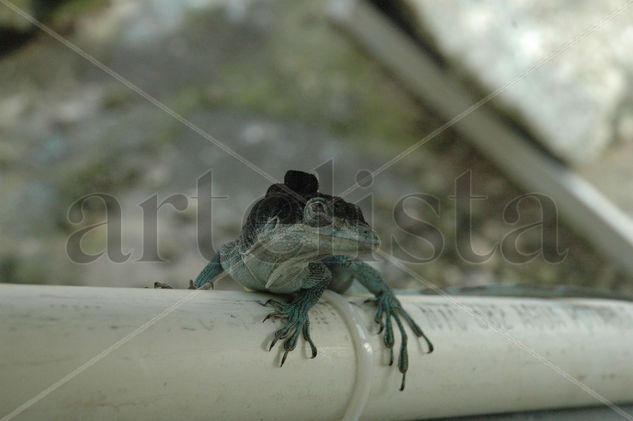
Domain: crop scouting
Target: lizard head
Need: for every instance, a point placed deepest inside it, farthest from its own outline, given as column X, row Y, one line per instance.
column 295, row 220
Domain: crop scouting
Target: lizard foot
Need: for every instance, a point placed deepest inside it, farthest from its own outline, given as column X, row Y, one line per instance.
column 162, row 285
column 297, row 323
column 208, row 285
column 388, row 308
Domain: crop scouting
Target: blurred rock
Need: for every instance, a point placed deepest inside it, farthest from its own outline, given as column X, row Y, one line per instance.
column 10, row 20
column 77, row 106
column 137, row 22
column 11, row 109
column 568, row 99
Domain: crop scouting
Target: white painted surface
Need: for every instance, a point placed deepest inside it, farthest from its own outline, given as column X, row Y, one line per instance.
column 206, row 358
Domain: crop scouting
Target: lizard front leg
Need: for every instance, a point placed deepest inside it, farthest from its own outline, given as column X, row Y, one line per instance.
column 295, row 313
column 207, row 275
column 205, row 278
column 388, row 308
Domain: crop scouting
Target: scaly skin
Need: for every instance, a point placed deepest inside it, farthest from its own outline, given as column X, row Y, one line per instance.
column 388, row 307
column 298, row 242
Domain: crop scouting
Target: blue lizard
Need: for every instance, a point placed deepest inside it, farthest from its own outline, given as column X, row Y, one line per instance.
column 297, row 241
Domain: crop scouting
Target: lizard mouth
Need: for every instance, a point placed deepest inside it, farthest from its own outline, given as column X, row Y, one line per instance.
column 307, row 242
column 356, row 239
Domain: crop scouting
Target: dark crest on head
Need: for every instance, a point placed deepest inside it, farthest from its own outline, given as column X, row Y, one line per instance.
column 287, row 201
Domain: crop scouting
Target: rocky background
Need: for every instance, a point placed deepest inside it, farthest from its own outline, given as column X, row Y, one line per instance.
column 272, row 79
column 576, row 101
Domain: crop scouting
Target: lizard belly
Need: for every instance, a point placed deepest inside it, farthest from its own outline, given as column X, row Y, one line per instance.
column 288, row 276
column 233, row 263
column 279, row 277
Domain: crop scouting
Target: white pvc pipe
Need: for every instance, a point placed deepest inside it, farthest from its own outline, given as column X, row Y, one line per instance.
column 103, row 353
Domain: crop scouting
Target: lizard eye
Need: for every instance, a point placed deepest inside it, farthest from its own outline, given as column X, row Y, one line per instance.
column 317, row 212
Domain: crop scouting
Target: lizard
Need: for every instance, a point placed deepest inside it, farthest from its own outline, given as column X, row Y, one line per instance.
column 296, row 242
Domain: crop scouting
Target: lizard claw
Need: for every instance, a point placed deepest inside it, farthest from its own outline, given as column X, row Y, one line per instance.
column 272, row 344
column 277, row 305
column 283, row 359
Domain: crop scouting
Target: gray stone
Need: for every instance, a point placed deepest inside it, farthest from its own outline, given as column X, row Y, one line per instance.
column 563, row 68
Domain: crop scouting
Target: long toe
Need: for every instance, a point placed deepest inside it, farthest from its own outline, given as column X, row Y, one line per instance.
column 306, row 337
